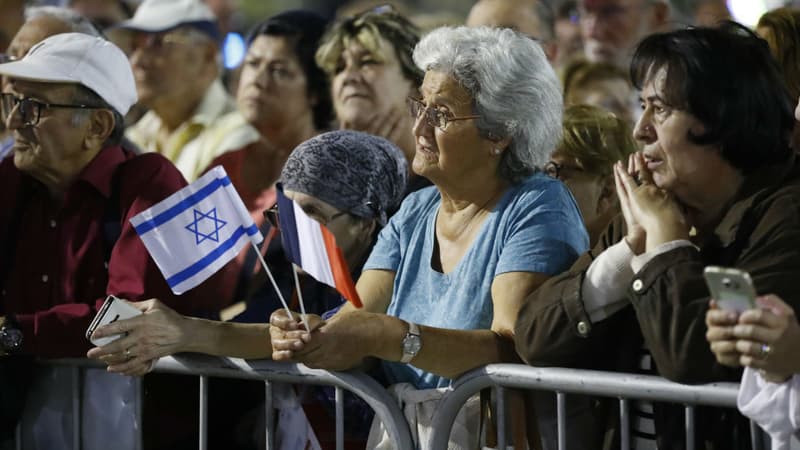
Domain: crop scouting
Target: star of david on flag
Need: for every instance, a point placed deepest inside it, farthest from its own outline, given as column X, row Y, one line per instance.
column 194, row 232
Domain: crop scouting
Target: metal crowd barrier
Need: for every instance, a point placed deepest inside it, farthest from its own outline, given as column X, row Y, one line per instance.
column 204, row 366
column 604, row 384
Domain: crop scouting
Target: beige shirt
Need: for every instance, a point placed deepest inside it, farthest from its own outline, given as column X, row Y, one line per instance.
column 215, row 128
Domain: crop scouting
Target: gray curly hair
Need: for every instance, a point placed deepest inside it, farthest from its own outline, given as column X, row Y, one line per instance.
column 515, row 91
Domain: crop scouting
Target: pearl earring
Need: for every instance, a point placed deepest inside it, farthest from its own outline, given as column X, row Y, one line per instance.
column 496, row 151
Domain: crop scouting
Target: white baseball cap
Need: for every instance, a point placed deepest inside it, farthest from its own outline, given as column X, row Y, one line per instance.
column 79, row 58
column 155, row 16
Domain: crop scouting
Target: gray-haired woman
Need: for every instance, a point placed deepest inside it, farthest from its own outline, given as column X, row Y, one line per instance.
column 449, row 272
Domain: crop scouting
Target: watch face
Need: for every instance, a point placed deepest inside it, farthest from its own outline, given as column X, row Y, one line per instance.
column 411, row 344
column 10, row 339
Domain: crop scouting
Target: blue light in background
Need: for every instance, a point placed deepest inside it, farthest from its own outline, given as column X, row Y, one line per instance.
column 233, row 50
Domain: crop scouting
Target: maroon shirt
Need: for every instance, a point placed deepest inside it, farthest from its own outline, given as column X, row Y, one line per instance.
column 57, row 276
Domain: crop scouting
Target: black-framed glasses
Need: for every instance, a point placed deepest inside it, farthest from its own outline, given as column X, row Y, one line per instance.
column 29, row 109
column 433, row 116
column 273, row 217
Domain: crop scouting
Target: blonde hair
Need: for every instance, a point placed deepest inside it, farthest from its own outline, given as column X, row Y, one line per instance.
column 782, row 33
column 368, row 28
column 595, row 139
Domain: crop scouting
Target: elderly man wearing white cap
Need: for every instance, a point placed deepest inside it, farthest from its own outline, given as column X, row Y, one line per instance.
column 68, row 193
column 173, row 50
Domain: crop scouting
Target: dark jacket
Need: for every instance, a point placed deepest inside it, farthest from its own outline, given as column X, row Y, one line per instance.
column 759, row 233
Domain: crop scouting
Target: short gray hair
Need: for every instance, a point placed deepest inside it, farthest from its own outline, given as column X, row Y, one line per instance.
column 76, row 22
column 515, row 91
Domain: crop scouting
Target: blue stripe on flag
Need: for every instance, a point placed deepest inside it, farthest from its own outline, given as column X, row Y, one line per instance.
column 207, row 260
column 288, row 228
column 183, row 205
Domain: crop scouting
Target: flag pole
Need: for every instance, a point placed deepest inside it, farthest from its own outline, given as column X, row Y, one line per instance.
column 300, row 296
column 275, row 285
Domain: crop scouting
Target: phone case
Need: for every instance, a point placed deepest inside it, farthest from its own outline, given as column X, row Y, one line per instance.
column 113, row 309
column 731, row 288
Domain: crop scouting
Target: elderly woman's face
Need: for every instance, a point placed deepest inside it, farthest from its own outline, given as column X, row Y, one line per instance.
column 457, row 151
column 272, row 90
column 366, row 85
column 678, row 165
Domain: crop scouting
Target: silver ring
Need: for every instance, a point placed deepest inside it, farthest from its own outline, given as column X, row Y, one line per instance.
column 765, row 351
column 128, row 353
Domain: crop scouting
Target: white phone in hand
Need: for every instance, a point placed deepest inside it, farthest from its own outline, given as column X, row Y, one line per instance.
column 113, row 309
column 731, row 288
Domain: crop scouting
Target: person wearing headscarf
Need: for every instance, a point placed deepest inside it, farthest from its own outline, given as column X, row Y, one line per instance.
column 346, row 180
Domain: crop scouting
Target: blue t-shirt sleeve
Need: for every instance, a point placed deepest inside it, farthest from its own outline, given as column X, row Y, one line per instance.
column 394, row 237
column 545, row 232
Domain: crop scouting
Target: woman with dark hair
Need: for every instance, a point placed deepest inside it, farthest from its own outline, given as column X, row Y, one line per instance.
column 285, row 96
column 715, row 183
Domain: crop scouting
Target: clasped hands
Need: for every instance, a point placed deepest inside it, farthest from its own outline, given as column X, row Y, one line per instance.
column 339, row 343
column 652, row 215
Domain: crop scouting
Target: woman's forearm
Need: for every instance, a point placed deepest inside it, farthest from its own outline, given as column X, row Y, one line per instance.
column 445, row 352
column 238, row 340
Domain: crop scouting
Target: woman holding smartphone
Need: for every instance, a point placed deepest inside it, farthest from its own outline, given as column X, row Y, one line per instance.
column 766, row 341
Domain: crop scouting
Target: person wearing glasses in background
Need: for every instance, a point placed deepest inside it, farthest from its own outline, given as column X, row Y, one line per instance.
column 69, row 190
column 533, row 18
column 173, row 47
column 368, row 58
column 39, row 23
column 443, row 284
column 593, row 140
column 611, row 28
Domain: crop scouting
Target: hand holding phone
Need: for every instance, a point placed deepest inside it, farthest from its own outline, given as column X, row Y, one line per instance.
column 732, row 288
column 113, row 309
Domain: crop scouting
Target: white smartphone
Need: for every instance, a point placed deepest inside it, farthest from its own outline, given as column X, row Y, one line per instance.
column 113, row 309
column 731, row 288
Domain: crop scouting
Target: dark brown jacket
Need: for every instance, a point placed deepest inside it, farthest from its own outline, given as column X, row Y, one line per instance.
column 760, row 233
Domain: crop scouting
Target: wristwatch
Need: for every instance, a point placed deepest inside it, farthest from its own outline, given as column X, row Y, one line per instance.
column 10, row 336
column 412, row 342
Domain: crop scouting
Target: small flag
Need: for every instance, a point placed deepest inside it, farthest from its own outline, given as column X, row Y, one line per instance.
column 310, row 246
column 194, row 232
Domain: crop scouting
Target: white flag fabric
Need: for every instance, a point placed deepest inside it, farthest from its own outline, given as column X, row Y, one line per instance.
column 194, row 232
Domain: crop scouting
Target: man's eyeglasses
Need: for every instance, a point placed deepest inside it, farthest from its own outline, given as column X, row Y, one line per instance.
column 273, row 217
column 157, row 42
column 433, row 116
column 30, row 110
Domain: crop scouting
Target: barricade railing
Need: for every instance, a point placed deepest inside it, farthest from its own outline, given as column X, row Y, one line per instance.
column 622, row 386
column 204, row 366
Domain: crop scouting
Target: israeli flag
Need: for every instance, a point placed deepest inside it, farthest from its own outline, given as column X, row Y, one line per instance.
column 194, row 232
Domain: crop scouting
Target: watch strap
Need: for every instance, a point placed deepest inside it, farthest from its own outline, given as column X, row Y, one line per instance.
column 412, row 334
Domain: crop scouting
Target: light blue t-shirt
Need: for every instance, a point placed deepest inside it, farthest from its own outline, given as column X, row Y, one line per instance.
column 535, row 227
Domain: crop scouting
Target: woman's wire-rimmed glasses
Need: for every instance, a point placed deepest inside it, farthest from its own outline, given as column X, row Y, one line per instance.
column 433, row 116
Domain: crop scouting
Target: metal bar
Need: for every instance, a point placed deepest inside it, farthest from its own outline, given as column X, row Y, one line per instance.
column 339, row 418
column 18, row 435
column 138, row 412
column 500, row 394
column 689, row 427
column 203, row 439
column 268, row 416
column 76, row 407
column 561, row 411
column 624, row 425
column 756, row 436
